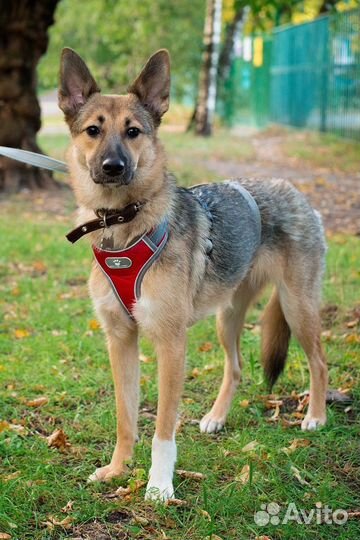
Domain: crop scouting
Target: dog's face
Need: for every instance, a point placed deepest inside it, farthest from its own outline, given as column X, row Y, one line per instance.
column 114, row 135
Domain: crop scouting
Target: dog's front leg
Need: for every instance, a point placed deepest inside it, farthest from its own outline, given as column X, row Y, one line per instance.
column 124, row 359
column 171, row 360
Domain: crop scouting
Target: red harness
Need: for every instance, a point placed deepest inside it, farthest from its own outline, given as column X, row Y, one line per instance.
column 125, row 269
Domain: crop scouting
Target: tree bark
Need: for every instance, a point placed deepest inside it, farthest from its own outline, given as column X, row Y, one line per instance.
column 203, row 116
column 23, row 40
column 228, row 47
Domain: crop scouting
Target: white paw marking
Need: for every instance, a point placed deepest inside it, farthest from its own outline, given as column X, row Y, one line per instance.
column 158, row 492
column 208, row 424
column 163, row 458
column 310, row 423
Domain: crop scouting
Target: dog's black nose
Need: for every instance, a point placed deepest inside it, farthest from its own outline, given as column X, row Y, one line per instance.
column 113, row 166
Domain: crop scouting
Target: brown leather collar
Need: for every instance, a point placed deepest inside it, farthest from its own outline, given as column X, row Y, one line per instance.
column 106, row 218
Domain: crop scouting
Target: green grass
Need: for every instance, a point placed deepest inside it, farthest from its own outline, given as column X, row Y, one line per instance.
column 49, row 347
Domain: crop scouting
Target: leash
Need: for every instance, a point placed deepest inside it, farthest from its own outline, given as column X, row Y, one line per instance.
column 32, row 158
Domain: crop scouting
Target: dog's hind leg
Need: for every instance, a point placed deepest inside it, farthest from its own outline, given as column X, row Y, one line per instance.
column 301, row 311
column 229, row 323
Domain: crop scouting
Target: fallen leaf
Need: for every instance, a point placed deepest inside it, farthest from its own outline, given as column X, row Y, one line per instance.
column 298, row 476
column 244, row 403
column 296, row 443
column 352, row 324
column 206, row 347
column 12, row 476
column 39, row 267
column 68, row 507
column 195, row 372
column 250, row 446
column 58, row 440
column 133, row 486
column 139, row 520
column 38, row 402
column 94, row 324
column 352, row 338
column 15, row 291
column 244, row 476
column 4, row 425
column 52, row 522
column 273, row 403
column 145, row 359
column 21, row 333
column 275, row 416
column 5, row 536
column 176, row 502
column 190, row 474
column 204, row 513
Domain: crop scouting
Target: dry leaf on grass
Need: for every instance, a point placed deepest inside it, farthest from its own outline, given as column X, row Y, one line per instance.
column 5, row 536
column 139, row 520
column 206, row 347
column 68, row 507
column 52, row 522
column 204, row 513
column 134, row 485
column 37, row 402
column 21, row 333
column 296, row 443
column 145, row 359
column 298, row 476
column 190, row 474
column 244, row 476
column 244, row 403
column 58, row 440
column 176, row 502
column 250, row 446
column 94, row 324
column 352, row 338
column 39, row 267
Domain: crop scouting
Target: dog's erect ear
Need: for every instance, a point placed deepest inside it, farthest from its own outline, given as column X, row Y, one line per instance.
column 76, row 83
column 152, row 86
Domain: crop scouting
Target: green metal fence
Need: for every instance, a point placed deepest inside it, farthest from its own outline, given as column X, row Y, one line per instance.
column 306, row 76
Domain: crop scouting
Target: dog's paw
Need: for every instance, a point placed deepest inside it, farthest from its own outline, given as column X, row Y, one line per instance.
column 211, row 424
column 106, row 474
column 310, row 423
column 159, row 492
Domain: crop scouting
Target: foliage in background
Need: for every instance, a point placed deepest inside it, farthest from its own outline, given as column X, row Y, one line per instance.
column 116, row 37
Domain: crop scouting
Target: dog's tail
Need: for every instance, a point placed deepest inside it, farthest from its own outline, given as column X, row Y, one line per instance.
column 275, row 337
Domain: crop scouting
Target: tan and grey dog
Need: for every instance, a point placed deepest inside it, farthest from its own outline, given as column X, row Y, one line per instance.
column 225, row 242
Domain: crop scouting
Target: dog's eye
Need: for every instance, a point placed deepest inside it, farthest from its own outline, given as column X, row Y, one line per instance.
column 133, row 132
column 92, row 131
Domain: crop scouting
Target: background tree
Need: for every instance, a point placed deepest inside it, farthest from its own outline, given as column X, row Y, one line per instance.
column 23, row 39
column 205, row 107
column 116, row 37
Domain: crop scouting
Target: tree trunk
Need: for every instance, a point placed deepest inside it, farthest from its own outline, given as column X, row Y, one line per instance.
column 227, row 51
column 23, row 40
column 205, row 109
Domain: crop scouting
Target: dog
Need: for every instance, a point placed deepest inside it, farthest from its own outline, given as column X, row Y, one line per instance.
column 217, row 246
